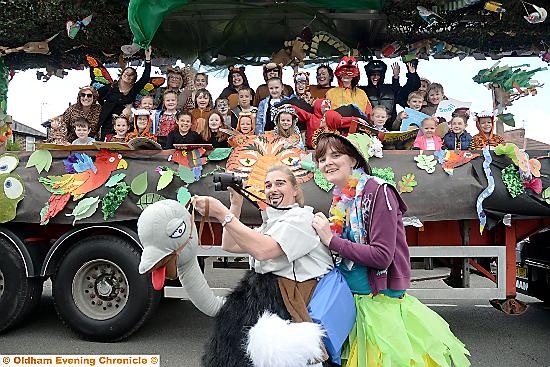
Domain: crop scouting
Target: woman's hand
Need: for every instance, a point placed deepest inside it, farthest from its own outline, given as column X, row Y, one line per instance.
column 322, row 226
column 148, row 52
column 396, row 70
column 215, row 208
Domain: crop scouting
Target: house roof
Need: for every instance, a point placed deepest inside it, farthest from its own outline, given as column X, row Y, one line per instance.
column 22, row 129
column 517, row 136
column 240, row 31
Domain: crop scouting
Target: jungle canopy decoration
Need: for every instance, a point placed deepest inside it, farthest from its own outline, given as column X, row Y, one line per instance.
column 224, row 32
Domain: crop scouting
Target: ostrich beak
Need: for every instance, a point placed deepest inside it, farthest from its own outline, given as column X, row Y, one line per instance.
column 122, row 164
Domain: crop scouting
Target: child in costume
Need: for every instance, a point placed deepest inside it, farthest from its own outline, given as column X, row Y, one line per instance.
column 301, row 85
column 183, row 134
column 167, row 117
column 82, row 131
column 203, row 103
column 222, row 105
column 121, row 125
column 458, row 138
column 142, row 125
column 237, row 80
column 286, row 121
column 246, row 124
column 347, row 91
column 148, row 103
column 212, row 133
column 427, row 139
column 485, row 123
column 378, row 117
column 245, row 95
column 266, row 108
column 286, row 258
column 366, row 229
column 271, row 70
column 200, row 82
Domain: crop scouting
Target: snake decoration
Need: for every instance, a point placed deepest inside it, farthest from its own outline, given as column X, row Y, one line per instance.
column 488, row 191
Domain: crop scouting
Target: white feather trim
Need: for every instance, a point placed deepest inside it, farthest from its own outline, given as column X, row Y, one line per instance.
column 274, row 342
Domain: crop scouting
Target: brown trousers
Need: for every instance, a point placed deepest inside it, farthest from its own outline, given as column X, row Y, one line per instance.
column 296, row 296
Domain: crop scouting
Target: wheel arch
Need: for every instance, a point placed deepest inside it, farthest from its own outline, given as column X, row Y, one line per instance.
column 68, row 239
column 21, row 249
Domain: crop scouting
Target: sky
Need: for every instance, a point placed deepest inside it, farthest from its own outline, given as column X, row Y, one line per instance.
column 32, row 101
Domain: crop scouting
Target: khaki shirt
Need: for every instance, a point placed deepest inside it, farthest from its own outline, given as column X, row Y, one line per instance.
column 302, row 248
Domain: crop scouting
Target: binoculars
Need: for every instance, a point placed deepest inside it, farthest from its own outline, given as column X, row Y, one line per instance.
column 224, row 180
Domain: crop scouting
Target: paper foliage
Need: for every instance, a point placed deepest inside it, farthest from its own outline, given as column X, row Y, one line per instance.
column 41, row 160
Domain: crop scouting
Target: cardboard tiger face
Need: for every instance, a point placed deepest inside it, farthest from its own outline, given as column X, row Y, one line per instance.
column 256, row 154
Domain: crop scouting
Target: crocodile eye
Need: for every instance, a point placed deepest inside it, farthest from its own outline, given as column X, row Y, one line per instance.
column 8, row 163
column 13, row 188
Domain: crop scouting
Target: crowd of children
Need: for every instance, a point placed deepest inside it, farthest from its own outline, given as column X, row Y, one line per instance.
column 184, row 112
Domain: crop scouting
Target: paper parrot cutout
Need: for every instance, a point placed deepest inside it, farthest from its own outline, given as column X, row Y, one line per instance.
column 13, row 189
column 73, row 27
column 80, row 183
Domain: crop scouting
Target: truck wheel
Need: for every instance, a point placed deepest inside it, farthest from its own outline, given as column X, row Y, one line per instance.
column 18, row 294
column 98, row 291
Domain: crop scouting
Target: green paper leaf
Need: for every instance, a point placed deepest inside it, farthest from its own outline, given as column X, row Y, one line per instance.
column 426, row 162
column 139, row 184
column 407, row 183
column 165, row 179
column 115, row 179
column 321, row 181
column 508, row 119
column 546, row 195
column 219, row 154
column 385, row 174
column 186, row 174
column 148, row 199
column 84, row 209
column 41, row 160
column 183, row 195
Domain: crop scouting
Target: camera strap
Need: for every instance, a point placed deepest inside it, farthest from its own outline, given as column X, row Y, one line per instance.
column 246, row 194
column 204, row 218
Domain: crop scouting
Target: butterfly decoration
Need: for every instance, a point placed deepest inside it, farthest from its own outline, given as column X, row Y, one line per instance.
column 73, row 27
column 101, row 77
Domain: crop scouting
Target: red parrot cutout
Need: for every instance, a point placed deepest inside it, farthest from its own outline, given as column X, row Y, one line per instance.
column 78, row 184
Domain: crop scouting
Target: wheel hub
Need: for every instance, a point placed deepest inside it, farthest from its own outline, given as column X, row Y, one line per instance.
column 100, row 289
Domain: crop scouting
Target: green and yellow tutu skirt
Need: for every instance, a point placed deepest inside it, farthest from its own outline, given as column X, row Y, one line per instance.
column 395, row 332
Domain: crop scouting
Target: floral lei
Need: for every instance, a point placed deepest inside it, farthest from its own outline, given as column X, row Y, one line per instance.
column 341, row 199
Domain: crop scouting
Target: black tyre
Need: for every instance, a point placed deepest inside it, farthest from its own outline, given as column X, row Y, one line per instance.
column 98, row 291
column 19, row 295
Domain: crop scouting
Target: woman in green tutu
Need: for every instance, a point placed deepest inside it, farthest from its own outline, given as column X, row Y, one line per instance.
column 366, row 228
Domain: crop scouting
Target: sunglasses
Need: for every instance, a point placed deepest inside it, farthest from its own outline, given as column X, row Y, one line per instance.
column 89, row 95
